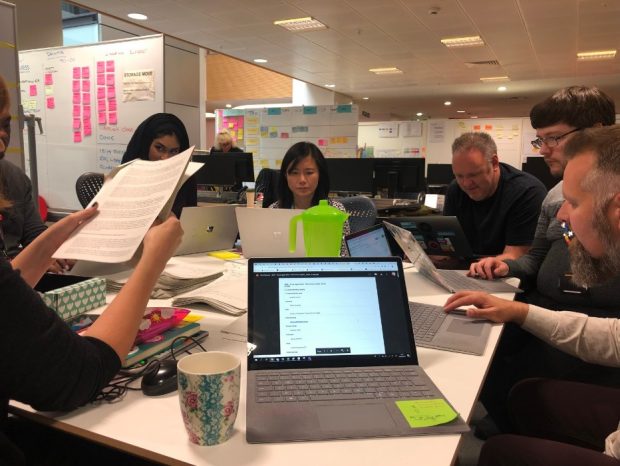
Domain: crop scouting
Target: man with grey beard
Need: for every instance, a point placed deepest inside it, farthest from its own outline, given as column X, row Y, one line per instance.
column 569, row 423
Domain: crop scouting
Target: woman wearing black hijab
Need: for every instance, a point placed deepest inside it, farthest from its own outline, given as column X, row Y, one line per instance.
column 160, row 136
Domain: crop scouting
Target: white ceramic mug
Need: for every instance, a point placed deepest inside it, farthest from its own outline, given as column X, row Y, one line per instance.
column 209, row 395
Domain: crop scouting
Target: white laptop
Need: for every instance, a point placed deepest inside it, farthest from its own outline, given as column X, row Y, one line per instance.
column 208, row 228
column 264, row 232
column 335, row 355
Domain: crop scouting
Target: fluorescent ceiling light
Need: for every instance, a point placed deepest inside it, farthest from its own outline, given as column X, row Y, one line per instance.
column 596, row 55
column 391, row 70
column 447, row 103
column 472, row 41
column 260, row 60
column 365, row 98
column 419, row 114
column 502, row 88
column 330, row 85
column 138, row 16
column 460, row 111
column 300, row 24
column 209, row 115
column 228, row 106
column 495, row 79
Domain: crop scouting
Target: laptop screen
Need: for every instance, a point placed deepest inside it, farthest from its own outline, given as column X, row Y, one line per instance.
column 372, row 242
column 328, row 312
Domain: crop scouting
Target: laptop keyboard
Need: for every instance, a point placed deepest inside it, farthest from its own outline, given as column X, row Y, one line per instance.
column 345, row 384
column 458, row 281
column 426, row 320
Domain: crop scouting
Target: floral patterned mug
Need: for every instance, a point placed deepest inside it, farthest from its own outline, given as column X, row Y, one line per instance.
column 209, row 395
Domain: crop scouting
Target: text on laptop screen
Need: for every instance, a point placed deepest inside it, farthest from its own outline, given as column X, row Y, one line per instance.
column 315, row 310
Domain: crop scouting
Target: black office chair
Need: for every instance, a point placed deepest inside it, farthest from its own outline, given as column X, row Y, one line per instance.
column 362, row 212
column 267, row 184
column 87, row 185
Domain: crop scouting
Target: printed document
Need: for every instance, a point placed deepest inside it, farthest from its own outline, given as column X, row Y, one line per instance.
column 129, row 203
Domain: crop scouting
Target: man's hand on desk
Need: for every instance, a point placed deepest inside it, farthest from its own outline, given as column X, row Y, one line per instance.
column 488, row 268
column 488, row 307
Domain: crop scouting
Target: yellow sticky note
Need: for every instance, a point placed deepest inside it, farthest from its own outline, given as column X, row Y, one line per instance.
column 426, row 413
column 224, row 255
column 192, row 318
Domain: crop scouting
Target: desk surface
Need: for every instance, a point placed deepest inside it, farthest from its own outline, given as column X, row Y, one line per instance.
column 152, row 427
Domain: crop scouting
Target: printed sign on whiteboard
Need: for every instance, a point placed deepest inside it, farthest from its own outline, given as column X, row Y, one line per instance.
column 388, row 130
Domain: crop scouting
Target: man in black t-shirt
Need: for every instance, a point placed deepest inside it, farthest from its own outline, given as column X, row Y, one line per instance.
column 496, row 204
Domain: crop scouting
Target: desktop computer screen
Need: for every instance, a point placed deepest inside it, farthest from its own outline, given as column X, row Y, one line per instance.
column 538, row 167
column 399, row 175
column 348, row 175
column 439, row 173
column 225, row 169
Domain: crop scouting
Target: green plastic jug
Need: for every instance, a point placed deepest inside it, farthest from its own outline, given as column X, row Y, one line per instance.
column 322, row 226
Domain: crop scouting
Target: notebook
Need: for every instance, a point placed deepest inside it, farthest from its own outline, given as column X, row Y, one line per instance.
column 451, row 280
column 264, row 232
column 207, row 228
column 454, row 331
column 335, row 356
column 438, row 235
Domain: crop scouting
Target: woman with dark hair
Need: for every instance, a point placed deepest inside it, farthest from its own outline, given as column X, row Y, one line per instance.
column 160, row 136
column 304, row 181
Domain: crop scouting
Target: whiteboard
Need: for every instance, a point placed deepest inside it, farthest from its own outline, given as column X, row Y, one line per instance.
column 90, row 100
column 269, row 132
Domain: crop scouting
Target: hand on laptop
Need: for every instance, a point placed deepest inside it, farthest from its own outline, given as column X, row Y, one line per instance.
column 488, row 307
column 488, row 268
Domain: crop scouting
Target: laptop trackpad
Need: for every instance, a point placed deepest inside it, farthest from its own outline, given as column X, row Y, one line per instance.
column 466, row 327
column 354, row 418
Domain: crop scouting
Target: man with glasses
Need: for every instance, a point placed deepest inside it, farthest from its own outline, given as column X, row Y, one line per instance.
column 496, row 204
column 545, row 271
column 569, row 423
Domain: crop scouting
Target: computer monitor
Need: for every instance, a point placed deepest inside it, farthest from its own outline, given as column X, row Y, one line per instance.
column 350, row 175
column 399, row 176
column 439, row 173
column 225, row 169
column 538, row 167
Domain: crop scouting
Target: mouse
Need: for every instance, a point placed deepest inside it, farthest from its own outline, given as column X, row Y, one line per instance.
column 160, row 380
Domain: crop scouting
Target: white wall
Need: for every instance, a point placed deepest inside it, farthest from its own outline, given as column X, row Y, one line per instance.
column 309, row 94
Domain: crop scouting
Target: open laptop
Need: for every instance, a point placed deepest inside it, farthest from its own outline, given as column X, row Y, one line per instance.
column 438, row 235
column 264, row 232
column 451, row 280
column 432, row 326
column 334, row 352
column 207, row 228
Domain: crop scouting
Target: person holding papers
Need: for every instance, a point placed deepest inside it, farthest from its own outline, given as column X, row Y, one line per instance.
column 567, row 422
column 160, row 136
column 304, row 181
column 45, row 364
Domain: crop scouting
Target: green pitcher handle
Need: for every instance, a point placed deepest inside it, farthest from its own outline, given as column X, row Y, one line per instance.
column 292, row 233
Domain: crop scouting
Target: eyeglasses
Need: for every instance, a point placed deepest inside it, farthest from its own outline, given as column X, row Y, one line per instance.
column 164, row 150
column 552, row 141
column 567, row 233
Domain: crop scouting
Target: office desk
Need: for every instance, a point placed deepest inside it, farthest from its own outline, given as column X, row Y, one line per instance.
column 152, row 427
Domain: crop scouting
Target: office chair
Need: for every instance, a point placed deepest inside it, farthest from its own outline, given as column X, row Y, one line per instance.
column 87, row 185
column 362, row 212
column 267, row 184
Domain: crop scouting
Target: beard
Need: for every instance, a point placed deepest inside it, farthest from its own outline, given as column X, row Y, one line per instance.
column 589, row 271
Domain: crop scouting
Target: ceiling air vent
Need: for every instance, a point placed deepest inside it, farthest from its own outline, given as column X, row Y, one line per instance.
column 471, row 64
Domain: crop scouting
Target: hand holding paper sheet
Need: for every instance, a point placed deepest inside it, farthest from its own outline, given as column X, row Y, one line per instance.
column 129, row 203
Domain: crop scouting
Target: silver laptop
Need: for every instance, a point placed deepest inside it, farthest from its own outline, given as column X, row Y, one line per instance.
column 264, row 232
column 454, row 331
column 209, row 228
column 335, row 355
column 451, row 280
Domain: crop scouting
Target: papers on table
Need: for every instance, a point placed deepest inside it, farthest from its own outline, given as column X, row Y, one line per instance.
column 228, row 293
column 182, row 274
column 129, row 202
column 238, row 330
